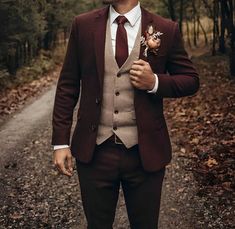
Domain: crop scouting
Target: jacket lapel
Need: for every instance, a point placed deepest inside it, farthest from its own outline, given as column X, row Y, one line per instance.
column 145, row 21
column 99, row 41
column 140, row 95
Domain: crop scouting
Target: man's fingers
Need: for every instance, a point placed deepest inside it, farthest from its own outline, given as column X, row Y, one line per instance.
column 140, row 62
column 135, row 84
column 134, row 78
column 62, row 169
column 69, row 163
column 135, row 73
column 137, row 67
column 63, row 161
column 141, row 75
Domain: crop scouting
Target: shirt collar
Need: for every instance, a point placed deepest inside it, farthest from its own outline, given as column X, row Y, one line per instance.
column 132, row 16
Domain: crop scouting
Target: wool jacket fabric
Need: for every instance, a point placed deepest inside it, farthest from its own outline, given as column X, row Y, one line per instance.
column 83, row 67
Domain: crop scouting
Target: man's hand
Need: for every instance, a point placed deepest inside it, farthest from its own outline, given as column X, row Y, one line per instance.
column 142, row 76
column 63, row 161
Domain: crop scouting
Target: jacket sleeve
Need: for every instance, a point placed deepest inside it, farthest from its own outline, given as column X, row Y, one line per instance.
column 182, row 78
column 67, row 91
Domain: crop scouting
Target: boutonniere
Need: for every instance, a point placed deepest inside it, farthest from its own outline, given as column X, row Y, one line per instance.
column 151, row 40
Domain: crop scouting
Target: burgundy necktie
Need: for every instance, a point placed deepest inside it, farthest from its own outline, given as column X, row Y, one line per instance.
column 121, row 41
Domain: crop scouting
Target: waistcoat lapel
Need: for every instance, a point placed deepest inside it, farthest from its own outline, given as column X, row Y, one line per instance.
column 134, row 55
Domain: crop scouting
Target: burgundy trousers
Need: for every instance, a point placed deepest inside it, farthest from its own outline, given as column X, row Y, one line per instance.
column 114, row 165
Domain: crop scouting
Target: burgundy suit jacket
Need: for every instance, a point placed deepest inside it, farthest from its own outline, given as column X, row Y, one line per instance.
column 84, row 66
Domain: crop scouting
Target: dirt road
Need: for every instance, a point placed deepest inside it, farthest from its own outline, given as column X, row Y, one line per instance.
column 34, row 195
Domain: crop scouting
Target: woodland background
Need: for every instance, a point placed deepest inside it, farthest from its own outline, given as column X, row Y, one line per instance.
column 33, row 39
column 30, row 26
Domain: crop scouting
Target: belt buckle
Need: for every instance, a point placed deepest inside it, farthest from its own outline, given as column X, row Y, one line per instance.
column 117, row 141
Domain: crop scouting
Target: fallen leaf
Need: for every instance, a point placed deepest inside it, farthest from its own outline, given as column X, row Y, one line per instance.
column 15, row 216
column 211, row 162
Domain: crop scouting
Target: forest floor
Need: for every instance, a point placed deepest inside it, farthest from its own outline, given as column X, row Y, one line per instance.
column 198, row 189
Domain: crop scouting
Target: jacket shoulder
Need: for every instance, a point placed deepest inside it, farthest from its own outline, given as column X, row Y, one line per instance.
column 164, row 23
column 164, row 20
column 87, row 16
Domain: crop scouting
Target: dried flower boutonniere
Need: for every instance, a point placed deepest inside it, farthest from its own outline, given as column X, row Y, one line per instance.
column 151, row 40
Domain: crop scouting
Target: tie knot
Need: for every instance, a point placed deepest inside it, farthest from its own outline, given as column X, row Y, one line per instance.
column 121, row 20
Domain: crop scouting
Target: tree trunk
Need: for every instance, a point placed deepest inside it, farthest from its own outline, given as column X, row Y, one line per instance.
column 11, row 60
column 181, row 16
column 198, row 27
column 203, row 30
column 194, row 24
column 21, row 60
column 222, row 47
column 188, row 34
column 65, row 35
column 215, row 27
column 232, row 61
column 194, row 31
column 171, row 10
column 232, row 39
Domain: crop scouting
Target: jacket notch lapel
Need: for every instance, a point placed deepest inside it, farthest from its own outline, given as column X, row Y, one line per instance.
column 145, row 21
column 140, row 95
column 99, row 42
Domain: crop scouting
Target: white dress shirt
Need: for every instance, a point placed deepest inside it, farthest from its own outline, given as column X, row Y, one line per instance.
column 132, row 27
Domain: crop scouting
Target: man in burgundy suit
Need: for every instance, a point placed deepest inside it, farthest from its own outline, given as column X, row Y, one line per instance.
column 121, row 62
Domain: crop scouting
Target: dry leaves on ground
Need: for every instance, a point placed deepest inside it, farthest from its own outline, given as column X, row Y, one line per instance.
column 14, row 98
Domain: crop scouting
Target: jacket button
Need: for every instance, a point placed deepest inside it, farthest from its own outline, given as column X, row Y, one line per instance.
column 93, row 127
column 119, row 74
column 97, row 101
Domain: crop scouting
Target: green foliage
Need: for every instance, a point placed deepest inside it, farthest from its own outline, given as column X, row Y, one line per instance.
column 29, row 25
column 22, row 21
column 158, row 7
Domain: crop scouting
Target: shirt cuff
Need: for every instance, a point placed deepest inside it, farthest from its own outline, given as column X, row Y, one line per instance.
column 154, row 90
column 56, row 147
